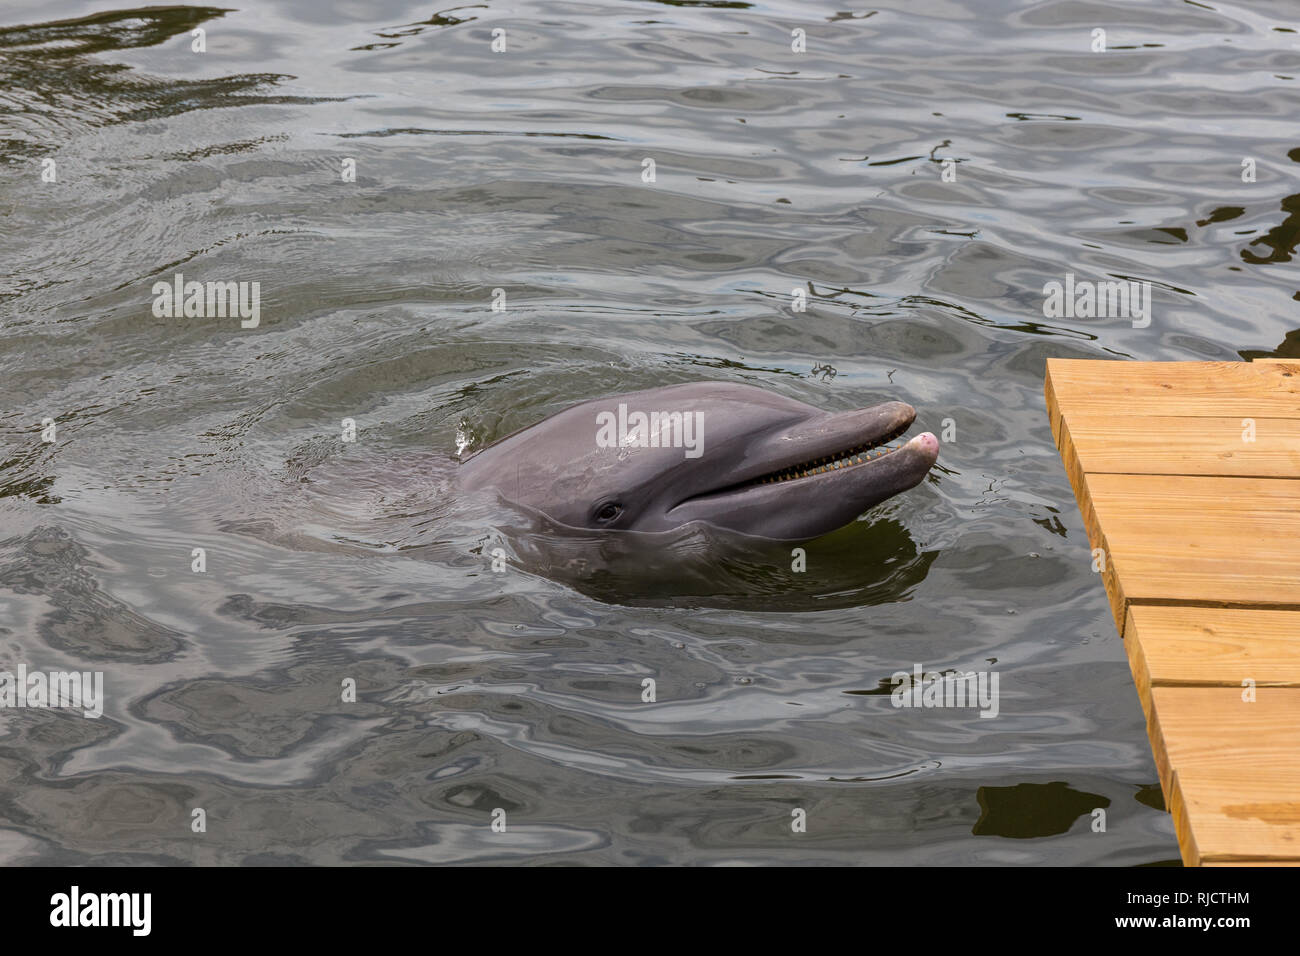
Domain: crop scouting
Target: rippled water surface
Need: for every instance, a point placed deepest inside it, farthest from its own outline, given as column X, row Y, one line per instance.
column 522, row 171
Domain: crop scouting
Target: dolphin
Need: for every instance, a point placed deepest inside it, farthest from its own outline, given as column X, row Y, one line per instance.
column 720, row 454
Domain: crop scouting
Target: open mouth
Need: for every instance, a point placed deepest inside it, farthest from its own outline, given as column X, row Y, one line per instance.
column 854, row 456
column 848, row 458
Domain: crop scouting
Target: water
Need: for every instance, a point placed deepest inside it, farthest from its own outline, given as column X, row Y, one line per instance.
column 522, row 171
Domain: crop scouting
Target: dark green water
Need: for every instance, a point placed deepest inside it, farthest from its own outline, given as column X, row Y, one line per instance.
column 522, row 171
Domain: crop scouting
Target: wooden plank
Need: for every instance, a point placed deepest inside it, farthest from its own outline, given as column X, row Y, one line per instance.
column 1111, row 582
column 1053, row 402
column 1200, row 540
column 1201, row 531
column 1248, row 862
column 1079, row 482
column 1166, row 445
column 1189, row 646
column 1229, row 771
column 1182, row 389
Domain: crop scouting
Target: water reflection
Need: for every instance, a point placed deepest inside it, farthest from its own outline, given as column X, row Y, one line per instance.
column 869, row 562
column 522, row 172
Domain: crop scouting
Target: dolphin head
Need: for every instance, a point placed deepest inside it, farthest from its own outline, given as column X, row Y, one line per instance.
column 729, row 455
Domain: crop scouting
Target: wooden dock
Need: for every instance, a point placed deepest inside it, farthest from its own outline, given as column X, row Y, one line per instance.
column 1188, row 479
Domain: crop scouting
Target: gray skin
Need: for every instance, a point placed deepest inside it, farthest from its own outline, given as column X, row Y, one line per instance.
column 557, row 469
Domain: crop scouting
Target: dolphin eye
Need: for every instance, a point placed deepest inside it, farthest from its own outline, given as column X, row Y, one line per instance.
column 608, row 512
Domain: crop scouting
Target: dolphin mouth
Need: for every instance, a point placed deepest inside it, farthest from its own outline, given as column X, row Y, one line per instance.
column 834, row 446
column 861, row 454
column 856, row 456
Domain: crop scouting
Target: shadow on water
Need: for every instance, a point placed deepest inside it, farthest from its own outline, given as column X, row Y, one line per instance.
column 54, row 85
column 1283, row 238
column 1289, row 347
column 867, row 563
column 1029, row 810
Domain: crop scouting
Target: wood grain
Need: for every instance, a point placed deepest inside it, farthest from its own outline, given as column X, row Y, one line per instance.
column 1217, row 646
column 1201, row 533
column 1179, row 389
column 1168, row 445
column 1229, row 771
column 1198, row 540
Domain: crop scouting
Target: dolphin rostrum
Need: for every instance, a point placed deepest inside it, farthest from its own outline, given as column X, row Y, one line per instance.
column 724, row 454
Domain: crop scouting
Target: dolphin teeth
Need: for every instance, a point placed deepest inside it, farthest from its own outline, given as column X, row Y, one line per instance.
column 860, row 455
